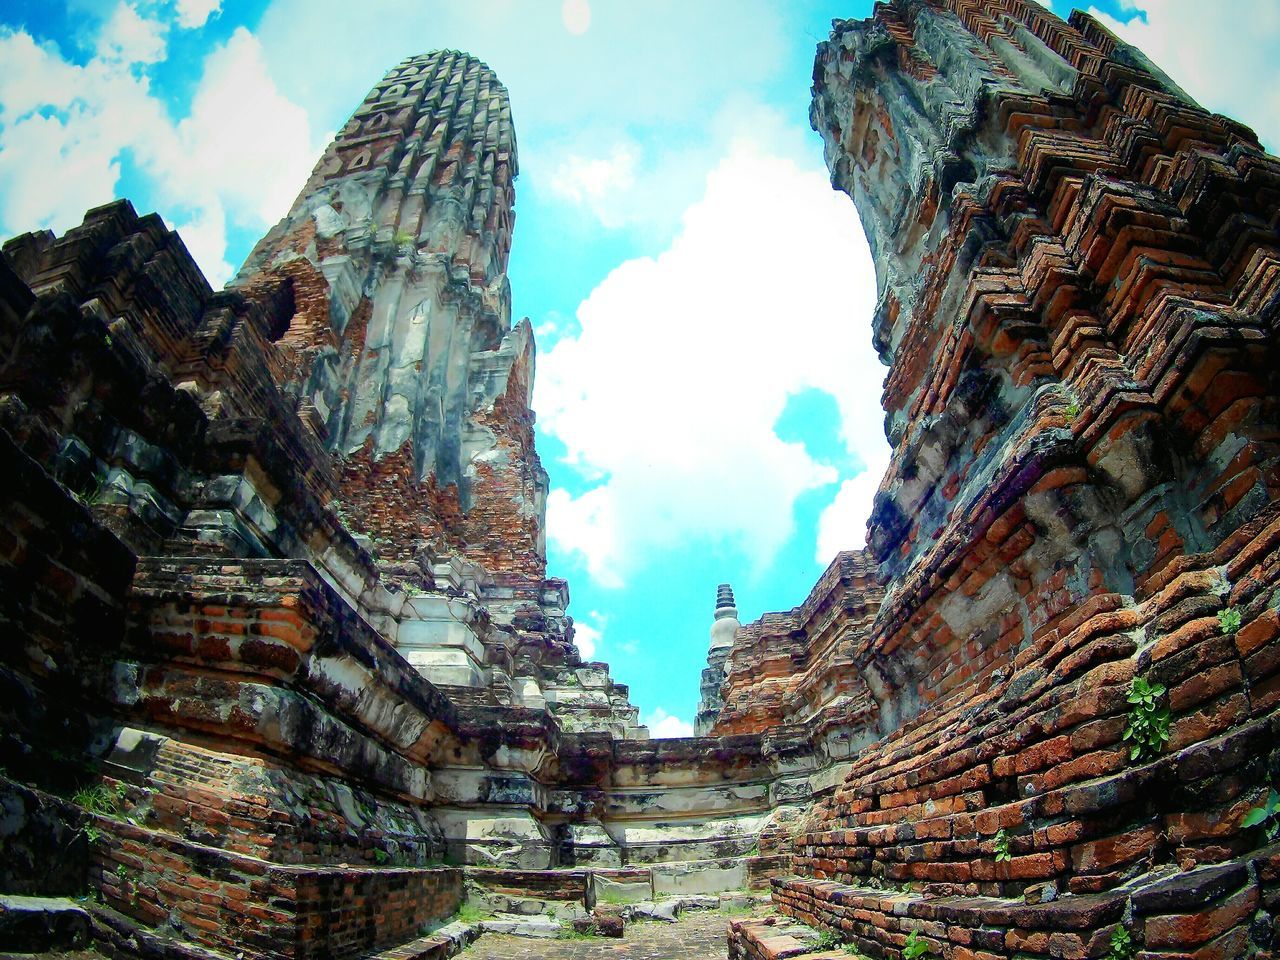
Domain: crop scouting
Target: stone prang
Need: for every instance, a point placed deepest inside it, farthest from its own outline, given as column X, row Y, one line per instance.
column 402, row 347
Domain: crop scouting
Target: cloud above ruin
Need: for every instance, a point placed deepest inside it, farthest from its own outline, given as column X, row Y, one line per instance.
column 667, row 396
column 1227, row 62
column 235, row 157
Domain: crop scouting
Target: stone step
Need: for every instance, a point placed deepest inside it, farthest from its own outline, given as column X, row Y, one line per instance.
column 1215, row 900
column 556, row 890
column 119, row 935
column 539, row 927
column 779, row 938
column 34, row 924
column 440, row 944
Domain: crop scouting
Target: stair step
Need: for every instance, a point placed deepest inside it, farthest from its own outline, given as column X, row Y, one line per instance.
column 33, row 924
column 440, row 944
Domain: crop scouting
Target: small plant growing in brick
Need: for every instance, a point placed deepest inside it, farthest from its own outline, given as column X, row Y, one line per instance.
column 826, row 941
column 1148, row 728
column 100, row 799
column 1266, row 816
column 1072, row 410
column 380, row 857
column 915, row 948
column 1228, row 620
column 1002, row 847
column 1122, row 945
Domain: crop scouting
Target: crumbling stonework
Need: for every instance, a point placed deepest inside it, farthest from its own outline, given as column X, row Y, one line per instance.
column 1078, row 302
column 199, row 641
column 210, row 643
column 405, row 226
column 797, row 667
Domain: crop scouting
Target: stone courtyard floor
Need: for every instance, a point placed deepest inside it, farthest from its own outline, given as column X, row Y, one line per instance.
column 699, row 935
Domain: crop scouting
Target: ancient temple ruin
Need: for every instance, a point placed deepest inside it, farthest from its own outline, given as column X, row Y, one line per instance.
column 285, row 675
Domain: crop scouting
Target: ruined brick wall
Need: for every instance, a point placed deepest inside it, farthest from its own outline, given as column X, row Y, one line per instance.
column 1078, row 302
column 792, row 667
column 255, row 909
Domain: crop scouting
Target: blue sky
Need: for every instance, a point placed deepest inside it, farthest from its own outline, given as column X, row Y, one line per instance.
column 708, row 400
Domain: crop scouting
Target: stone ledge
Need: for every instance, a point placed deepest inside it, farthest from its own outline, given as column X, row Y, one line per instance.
column 1207, row 907
column 440, row 944
column 773, row 938
column 32, row 924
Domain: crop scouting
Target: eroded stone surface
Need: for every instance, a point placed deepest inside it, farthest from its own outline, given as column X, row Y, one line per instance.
column 1078, row 309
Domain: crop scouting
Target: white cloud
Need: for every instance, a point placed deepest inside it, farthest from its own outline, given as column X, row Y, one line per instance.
column 130, row 38
column 622, row 183
column 205, row 236
column 587, row 524
column 666, row 399
column 196, row 13
column 34, row 75
column 1223, row 55
column 244, row 142
column 62, row 130
column 238, row 156
column 663, row 725
column 595, row 182
column 588, row 633
column 843, row 524
column 576, row 16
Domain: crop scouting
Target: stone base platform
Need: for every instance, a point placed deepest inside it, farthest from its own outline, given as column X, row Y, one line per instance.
column 244, row 906
column 34, row 924
column 566, row 893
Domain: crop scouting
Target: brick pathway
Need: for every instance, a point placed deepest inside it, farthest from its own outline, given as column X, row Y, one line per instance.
column 700, row 935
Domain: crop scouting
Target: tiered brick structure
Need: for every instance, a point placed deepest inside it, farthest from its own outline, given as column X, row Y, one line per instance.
column 797, row 668
column 272, row 573
column 1079, row 274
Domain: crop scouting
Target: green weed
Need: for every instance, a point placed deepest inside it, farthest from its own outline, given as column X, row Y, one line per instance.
column 1002, row 847
column 915, row 948
column 1122, row 945
column 1228, row 620
column 1148, row 728
column 1266, row 816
